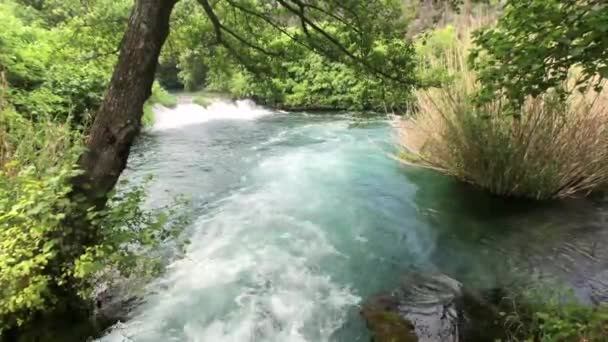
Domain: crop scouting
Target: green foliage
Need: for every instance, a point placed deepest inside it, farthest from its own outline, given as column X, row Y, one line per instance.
column 536, row 43
column 25, row 227
column 162, row 97
column 147, row 120
column 202, row 100
column 431, row 48
column 435, row 43
column 307, row 80
column 36, row 165
column 58, row 60
column 37, row 245
column 167, row 74
column 281, row 64
column 547, row 312
column 571, row 322
column 130, row 238
column 190, row 45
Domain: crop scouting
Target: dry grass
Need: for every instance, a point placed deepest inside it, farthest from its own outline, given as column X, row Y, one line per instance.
column 556, row 148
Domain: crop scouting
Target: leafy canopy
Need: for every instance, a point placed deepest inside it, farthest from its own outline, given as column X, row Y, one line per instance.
column 537, row 42
column 329, row 54
column 58, row 60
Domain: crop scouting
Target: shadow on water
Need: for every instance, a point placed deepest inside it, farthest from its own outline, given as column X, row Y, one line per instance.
column 488, row 242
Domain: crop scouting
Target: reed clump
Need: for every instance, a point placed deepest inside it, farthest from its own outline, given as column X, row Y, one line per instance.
column 555, row 145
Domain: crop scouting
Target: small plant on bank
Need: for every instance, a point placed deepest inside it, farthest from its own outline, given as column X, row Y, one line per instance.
column 202, row 100
column 548, row 312
column 555, row 145
column 159, row 96
column 162, row 97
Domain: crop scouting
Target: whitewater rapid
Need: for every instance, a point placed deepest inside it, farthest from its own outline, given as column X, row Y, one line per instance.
column 186, row 114
column 272, row 256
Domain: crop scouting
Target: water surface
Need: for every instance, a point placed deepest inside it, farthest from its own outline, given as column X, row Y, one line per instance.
column 299, row 217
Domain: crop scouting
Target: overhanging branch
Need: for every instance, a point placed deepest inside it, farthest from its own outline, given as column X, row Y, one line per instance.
column 218, row 28
column 297, row 8
column 305, row 21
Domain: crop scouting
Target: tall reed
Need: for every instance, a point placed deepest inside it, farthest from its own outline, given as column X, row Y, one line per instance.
column 553, row 147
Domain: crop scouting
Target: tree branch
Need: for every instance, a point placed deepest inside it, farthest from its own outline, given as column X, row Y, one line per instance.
column 329, row 14
column 298, row 8
column 217, row 28
column 271, row 23
column 305, row 21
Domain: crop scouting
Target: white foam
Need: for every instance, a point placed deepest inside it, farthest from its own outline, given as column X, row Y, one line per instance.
column 263, row 265
column 191, row 114
column 252, row 272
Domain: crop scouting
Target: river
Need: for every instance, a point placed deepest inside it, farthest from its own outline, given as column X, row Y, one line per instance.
column 297, row 218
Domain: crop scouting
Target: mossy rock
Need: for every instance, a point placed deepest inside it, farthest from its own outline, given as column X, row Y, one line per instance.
column 430, row 306
column 386, row 324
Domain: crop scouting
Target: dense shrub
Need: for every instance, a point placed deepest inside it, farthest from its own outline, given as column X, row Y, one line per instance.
column 202, row 100
column 291, row 74
column 40, row 252
column 167, row 74
column 568, row 322
column 58, row 61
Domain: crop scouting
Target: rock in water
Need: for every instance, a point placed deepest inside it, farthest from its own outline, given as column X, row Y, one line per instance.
column 386, row 322
column 430, row 307
column 422, row 309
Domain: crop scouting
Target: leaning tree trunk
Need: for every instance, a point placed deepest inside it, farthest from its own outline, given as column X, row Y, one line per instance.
column 116, row 125
column 118, row 120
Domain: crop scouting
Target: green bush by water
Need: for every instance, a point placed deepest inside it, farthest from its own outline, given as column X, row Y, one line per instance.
column 310, row 81
column 547, row 312
column 569, row 322
column 162, row 97
column 40, row 259
column 294, row 77
column 58, row 62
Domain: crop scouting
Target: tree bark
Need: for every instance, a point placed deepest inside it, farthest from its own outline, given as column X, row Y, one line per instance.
column 118, row 120
column 116, row 124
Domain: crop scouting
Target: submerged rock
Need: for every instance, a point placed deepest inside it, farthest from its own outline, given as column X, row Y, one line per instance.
column 386, row 322
column 431, row 307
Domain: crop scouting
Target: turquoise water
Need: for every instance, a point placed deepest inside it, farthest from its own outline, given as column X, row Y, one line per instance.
column 299, row 217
